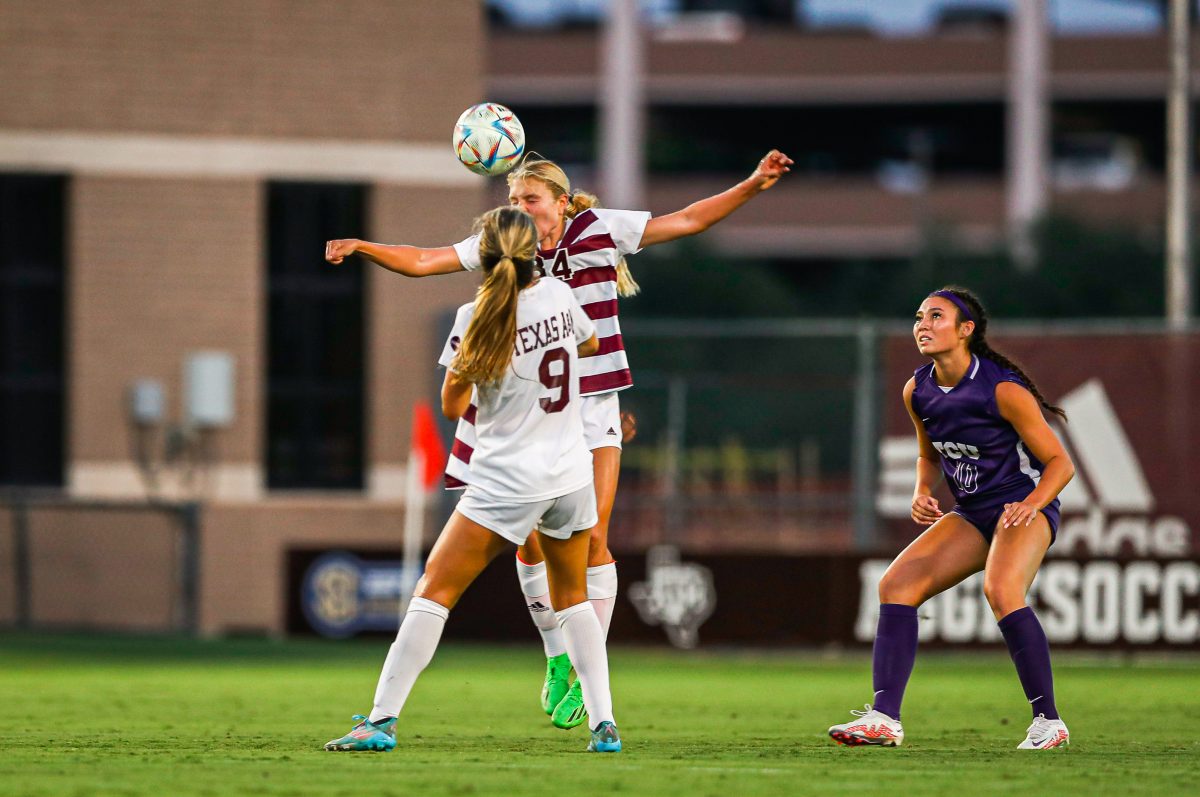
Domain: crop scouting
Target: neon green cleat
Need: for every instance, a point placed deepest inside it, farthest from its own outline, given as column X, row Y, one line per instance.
column 570, row 711
column 558, row 673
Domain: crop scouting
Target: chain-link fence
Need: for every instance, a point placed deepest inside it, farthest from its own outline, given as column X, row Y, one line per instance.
column 749, row 436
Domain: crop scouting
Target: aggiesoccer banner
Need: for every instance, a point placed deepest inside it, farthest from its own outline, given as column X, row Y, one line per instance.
column 670, row 597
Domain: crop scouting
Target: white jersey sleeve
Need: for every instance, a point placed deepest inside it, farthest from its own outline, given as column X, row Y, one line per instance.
column 468, row 253
column 462, row 319
column 625, row 226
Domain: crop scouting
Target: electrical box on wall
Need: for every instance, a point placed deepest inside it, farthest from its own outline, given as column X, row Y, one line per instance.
column 147, row 402
column 208, row 382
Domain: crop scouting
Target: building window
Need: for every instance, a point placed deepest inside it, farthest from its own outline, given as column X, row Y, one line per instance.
column 32, row 320
column 315, row 339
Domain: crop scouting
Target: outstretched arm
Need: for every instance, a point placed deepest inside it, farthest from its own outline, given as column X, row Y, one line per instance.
column 699, row 216
column 411, row 261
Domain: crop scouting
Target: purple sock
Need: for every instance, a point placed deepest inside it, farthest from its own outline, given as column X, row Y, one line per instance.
column 895, row 652
column 1031, row 654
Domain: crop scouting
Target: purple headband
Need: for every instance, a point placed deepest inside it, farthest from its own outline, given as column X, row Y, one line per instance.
column 959, row 303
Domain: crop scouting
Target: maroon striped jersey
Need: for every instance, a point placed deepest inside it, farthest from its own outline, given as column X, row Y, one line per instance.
column 586, row 259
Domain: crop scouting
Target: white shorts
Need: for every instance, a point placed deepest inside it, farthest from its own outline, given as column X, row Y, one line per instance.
column 555, row 517
column 601, row 421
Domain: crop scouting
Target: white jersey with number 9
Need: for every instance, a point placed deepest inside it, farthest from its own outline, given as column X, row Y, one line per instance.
column 529, row 435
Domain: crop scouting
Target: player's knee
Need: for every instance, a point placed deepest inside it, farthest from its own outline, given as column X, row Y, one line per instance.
column 566, row 598
column 1003, row 595
column 439, row 590
column 530, row 552
column 597, row 541
column 899, row 586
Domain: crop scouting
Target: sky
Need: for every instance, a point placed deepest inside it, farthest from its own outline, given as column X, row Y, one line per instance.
column 887, row 17
column 906, row 17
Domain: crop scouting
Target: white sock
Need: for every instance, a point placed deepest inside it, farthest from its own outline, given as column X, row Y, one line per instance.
column 602, row 592
column 409, row 655
column 585, row 644
column 536, row 590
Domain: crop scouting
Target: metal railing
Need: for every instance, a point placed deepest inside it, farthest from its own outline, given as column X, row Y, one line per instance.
column 183, row 518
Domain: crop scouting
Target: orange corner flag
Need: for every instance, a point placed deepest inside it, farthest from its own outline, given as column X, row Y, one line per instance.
column 425, row 438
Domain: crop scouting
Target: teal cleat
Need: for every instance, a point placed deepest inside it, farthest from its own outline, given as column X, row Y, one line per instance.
column 605, row 739
column 558, row 673
column 570, row 711
column 366, row 736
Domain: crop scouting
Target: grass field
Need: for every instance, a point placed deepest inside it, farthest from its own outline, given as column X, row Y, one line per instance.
column 142, row 716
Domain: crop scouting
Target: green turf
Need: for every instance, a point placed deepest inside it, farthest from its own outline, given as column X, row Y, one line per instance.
column 129, row 716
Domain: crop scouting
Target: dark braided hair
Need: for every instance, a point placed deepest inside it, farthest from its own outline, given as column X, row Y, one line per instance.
column 978, row 345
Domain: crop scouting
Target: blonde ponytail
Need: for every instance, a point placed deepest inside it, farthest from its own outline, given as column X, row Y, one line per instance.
column 580, row 201
column 507, row 244
column 626, row 284
column 486, row 348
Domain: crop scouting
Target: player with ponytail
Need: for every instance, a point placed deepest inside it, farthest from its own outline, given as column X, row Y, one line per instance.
column 978, row 344
column 506, row 246
column 980, row 424
column 512, row 360
column 585, row 246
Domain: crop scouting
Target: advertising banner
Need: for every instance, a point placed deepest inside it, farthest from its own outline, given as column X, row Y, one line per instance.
column 769, row 601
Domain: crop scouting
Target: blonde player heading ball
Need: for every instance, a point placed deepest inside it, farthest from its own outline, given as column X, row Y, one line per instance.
column 515, row 348
column 584, row 246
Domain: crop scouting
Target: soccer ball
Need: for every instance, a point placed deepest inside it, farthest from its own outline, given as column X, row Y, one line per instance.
column 489, row 139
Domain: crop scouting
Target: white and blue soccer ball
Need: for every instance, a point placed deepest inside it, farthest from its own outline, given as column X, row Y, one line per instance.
column 489, row 139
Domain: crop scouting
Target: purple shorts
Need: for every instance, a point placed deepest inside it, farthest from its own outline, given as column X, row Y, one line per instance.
column 985, row 516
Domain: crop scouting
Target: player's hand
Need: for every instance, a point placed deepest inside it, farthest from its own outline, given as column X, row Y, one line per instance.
column 773, row 166
column 628, row 427
column 925, row 510
column 337, row 251
column 1018, row 514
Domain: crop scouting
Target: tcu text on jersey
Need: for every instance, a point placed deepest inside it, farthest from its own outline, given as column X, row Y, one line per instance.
column 957, row 450
column 966, row 474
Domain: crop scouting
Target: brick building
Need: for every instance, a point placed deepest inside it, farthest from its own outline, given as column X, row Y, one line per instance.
column 168, row 172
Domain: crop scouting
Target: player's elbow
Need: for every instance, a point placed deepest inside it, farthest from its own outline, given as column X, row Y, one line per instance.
column 451, row 408
column 694, row 226
column 421, row 268
column 1068, row 468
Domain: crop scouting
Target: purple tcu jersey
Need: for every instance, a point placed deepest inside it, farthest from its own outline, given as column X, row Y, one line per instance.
column 982, row 455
